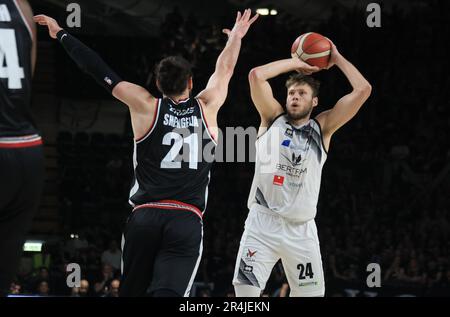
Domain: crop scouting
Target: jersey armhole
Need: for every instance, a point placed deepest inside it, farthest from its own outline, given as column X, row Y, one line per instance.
column 153, row 124
column 270, row 125
column 200, row 105
column 321, row 135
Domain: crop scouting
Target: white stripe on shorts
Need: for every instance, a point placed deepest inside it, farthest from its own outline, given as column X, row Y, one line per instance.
column 194, row 273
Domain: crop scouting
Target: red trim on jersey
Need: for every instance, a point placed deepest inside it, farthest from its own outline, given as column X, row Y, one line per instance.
column 171, row 205
column 153, row 121
column 20, row 144
column 206, row 122
column 180, row 101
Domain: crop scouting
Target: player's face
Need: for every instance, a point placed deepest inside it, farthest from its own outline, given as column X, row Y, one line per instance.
column 300, row 101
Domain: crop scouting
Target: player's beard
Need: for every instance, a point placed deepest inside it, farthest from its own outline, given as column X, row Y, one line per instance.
column 299, row 115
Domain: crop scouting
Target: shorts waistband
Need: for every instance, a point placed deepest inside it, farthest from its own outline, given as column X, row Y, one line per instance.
column 259, row 208
column 20, row 141
column 171, row 204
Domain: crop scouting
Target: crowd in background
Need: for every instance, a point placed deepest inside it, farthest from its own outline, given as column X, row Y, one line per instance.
column 385, row 188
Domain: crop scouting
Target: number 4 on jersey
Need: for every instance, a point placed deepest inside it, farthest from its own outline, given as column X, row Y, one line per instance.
column 9, row 59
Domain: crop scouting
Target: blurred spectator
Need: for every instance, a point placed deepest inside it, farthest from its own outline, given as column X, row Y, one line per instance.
column 103, row 282
column 82, row 291
column 112, row 256
column 43, row 289
column 113, row 290
column 15, row 288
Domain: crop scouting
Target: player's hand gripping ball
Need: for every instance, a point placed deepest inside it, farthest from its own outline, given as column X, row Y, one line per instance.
column 312, row 48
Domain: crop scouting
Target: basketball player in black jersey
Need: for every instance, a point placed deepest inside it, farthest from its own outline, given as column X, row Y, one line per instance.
column 21, row 155
column 162, row 242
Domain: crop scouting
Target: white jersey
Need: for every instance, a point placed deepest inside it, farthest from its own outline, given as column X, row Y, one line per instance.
column 288, row 169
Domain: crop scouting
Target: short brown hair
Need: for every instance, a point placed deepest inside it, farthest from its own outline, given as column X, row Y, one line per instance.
column 299, row 79
column 172, row 73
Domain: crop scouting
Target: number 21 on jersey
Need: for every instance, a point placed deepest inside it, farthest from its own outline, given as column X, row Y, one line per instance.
column 169, row 161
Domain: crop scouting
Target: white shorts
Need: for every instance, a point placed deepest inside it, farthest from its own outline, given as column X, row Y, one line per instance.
column 269, row 237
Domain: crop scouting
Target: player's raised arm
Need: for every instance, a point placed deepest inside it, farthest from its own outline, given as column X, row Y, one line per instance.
column 137, row 98
column 215, row 93
column 347, row 107
column 261, row 92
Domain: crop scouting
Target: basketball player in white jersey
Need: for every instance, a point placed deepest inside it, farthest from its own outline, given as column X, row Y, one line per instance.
column 291, row 150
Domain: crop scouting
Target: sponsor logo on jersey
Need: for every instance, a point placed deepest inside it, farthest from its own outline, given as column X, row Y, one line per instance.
column 289, row 132
column 292, row 146
column 176, row 122
column 4, row 13
column 298, row 185
column 295, row 160
column 278, row 180
column 248, row 269
column 181, row 112
column 108, row 80
column 291, row 171
column 286, row 143
column 250, row 256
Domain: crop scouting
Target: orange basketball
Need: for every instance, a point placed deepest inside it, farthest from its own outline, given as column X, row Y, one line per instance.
column 312, row 48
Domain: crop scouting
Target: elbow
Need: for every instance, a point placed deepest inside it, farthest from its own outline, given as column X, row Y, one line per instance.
column 365, row 90
column 368, row 89
column 254, row 75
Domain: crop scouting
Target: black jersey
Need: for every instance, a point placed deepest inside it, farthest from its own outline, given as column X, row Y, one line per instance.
column 15, row 72
column 173, row 160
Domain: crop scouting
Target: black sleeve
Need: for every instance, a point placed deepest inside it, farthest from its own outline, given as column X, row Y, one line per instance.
column 89, row 61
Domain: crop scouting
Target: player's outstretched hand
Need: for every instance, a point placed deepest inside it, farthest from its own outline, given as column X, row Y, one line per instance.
column 53, row 27
column 242, row 24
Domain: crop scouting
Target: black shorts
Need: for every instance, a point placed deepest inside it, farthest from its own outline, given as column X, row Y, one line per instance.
column 21, row 184
column 161, row 252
